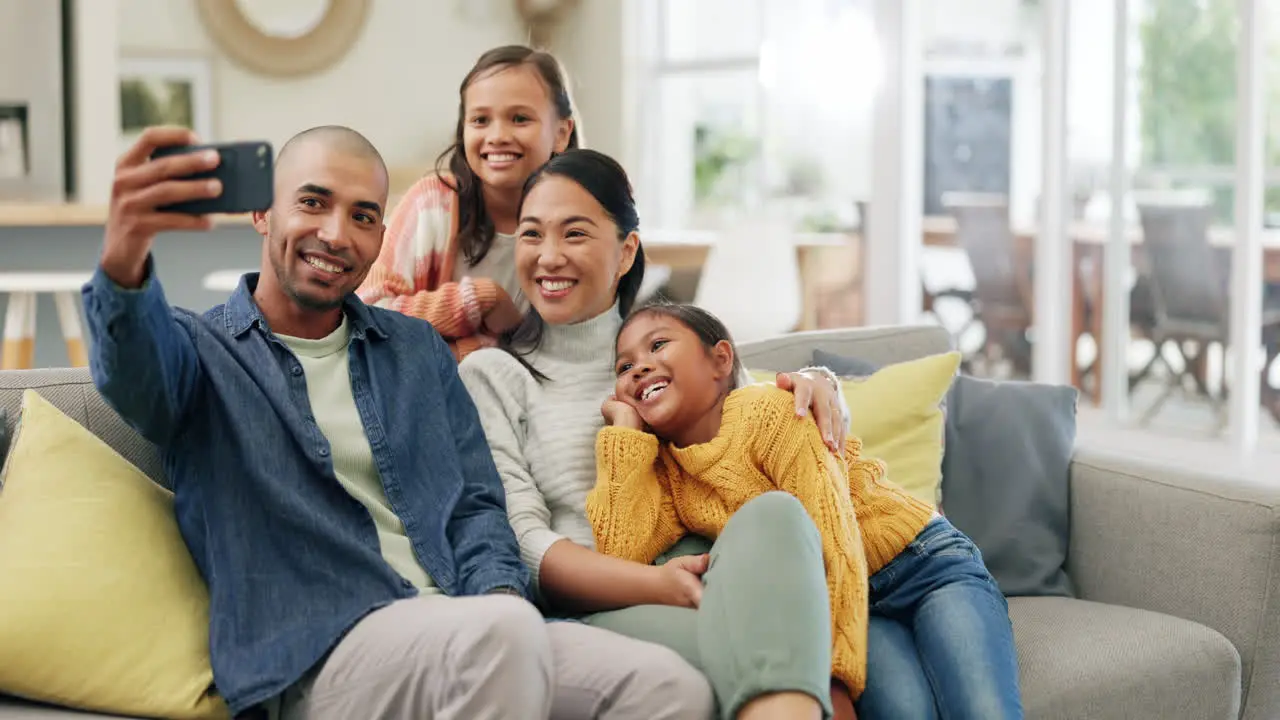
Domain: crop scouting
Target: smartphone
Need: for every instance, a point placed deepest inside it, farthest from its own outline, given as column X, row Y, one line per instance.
column 247, row 173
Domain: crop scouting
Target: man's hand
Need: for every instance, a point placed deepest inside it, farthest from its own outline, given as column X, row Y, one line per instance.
column 620, row 414
column 141, row 186
column 679, row 580
column 817, row 394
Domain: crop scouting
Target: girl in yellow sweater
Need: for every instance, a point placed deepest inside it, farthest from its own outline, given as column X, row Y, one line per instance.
column 684, row 450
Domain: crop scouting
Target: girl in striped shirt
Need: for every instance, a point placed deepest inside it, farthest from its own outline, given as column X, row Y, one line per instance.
column 447, row 257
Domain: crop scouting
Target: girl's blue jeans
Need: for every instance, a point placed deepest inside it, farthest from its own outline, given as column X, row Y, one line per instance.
column 940, row 644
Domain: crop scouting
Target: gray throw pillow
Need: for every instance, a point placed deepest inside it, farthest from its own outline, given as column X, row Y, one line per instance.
column 1005, row 474
column 843, row 366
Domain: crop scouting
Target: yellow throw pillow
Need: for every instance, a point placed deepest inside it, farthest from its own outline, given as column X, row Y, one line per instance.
column 102, row 607
column 898, row 414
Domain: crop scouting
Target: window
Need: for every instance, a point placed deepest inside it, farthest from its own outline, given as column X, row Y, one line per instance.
column 754, row 106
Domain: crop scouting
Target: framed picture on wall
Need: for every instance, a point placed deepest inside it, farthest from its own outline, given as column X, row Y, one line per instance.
column 165, row 90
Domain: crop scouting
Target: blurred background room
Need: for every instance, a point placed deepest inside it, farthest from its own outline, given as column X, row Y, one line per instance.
column 1059, row 183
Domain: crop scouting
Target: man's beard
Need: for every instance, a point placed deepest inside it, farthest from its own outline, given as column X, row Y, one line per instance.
column 310, row 303
column 291, row 289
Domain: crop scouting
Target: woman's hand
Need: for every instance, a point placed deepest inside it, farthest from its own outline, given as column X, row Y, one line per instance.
column 816, row 393
column 620, row 414
column 679, row 580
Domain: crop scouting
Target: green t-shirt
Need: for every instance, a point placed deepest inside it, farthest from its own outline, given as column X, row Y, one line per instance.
column 334, row 407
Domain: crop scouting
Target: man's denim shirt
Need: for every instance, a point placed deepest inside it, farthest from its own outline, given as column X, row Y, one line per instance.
column 292, row 561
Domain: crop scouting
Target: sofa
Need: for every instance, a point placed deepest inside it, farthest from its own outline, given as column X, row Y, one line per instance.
column 1176, row 611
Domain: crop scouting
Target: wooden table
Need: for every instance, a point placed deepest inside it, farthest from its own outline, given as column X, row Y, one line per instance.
column 1089, row 241
column 688, row 250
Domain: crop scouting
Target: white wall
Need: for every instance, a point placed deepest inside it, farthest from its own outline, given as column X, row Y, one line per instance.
column 398, row 85
column 592, row 47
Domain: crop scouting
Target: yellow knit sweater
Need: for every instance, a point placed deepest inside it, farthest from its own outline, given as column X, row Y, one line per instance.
column 648, row 496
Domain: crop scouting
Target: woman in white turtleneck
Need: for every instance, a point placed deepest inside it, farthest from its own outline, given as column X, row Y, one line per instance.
column 750, row 611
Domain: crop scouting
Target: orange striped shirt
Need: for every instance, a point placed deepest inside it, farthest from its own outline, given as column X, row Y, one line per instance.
column 414, row 270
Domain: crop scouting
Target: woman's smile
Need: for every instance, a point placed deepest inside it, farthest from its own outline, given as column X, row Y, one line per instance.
column 553, row 288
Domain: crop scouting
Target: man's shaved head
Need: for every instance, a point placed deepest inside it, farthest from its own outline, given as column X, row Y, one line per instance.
column 324, row 229
column 333, row 137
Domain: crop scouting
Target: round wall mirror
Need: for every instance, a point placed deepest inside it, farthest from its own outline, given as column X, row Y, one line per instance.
column 284, row 37
column 284, row 18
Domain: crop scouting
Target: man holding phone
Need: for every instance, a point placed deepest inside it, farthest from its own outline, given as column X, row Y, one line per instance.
column 294, row 423
column 298, row 572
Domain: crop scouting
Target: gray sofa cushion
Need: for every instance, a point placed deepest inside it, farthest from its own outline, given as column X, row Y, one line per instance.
column 1005, row 473
column 1198, row 545
column 71, row 390
column 882, row 345
column 844, row 365
column 1086, row 660
column 5, row 433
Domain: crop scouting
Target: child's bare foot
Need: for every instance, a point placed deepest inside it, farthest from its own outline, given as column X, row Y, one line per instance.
column 842, row 702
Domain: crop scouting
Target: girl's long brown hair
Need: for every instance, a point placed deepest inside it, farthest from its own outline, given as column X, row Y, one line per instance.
column 475, row 226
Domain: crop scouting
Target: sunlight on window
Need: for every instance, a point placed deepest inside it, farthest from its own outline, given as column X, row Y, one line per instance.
column 821, row 54
column 819, row 72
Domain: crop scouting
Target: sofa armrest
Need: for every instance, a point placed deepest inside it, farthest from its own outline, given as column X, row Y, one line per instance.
column 1202, row 547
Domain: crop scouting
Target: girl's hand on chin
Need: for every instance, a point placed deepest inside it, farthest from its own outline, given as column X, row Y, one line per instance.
column 620, row 414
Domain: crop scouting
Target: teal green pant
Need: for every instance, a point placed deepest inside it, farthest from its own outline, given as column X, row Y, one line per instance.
column 764, row 625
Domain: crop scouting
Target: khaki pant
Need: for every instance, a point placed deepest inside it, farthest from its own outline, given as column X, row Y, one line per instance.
column 494, row 658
